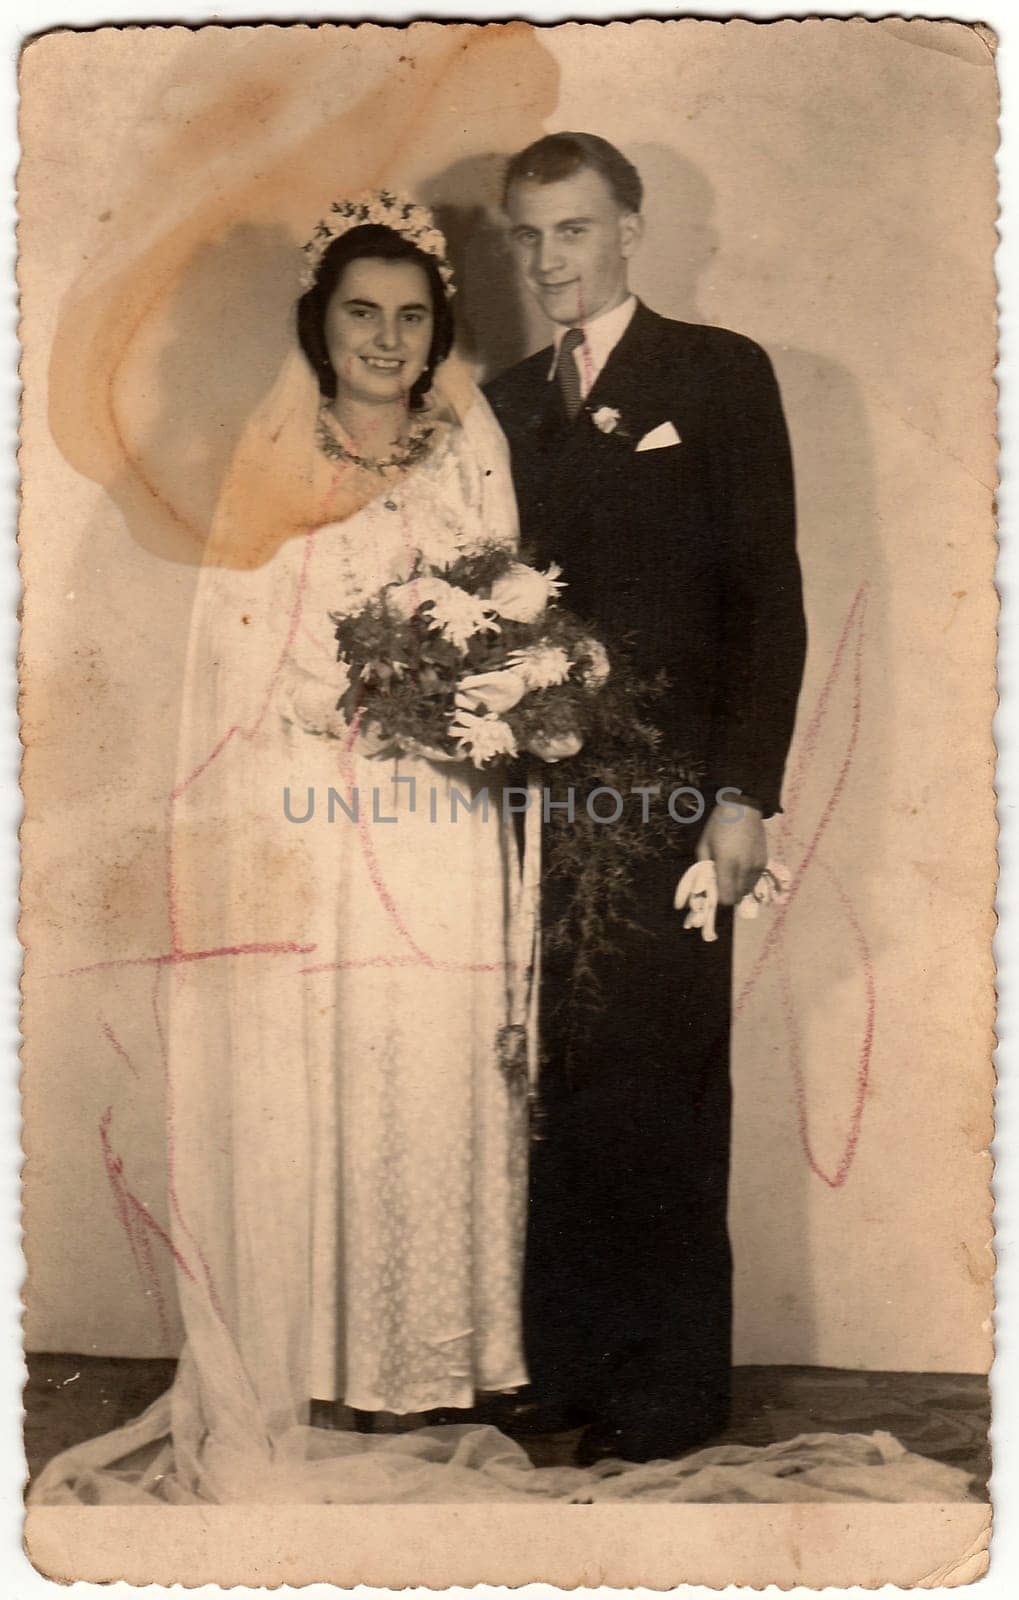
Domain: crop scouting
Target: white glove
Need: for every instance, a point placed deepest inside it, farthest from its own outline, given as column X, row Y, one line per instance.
column 699, row 887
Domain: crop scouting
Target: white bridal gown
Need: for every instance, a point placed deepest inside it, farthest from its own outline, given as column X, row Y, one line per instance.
column 347, row 1158
column 374, row 1170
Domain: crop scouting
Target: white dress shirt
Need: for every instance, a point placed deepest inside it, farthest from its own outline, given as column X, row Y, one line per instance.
column 601, row 335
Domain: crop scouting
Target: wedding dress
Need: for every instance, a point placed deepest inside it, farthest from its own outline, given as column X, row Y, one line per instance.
column 349, row 1043
column 346, row 1156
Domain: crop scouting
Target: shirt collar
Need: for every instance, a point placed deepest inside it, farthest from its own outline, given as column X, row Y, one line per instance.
column 601, row 335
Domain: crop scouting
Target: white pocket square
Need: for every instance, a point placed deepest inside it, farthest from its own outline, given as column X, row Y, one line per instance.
column 659, row 438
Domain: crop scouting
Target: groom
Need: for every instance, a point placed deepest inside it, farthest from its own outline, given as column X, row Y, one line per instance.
column 651, row 460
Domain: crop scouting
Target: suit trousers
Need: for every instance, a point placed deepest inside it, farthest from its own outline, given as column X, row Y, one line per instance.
column 627, row 1290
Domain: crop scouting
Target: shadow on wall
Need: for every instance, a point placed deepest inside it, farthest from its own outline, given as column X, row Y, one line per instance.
column 681, row 238
column 495, row 325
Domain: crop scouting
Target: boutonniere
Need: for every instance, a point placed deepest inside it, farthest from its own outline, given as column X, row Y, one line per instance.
column 607, row 419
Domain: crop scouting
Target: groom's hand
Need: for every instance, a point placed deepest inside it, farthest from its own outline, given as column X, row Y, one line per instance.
column 738, row 847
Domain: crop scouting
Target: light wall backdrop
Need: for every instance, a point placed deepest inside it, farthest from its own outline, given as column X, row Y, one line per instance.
column 824, row 187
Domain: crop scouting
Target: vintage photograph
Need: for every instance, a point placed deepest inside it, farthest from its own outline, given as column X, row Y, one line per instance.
column 508, row 865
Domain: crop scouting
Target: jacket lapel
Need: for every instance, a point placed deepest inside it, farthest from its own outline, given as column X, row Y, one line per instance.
column 631, row 384
column 626, row 382
column 627, row 386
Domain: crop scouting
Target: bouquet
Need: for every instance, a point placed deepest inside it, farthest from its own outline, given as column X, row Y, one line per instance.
column 472, row 661
column 477, row 660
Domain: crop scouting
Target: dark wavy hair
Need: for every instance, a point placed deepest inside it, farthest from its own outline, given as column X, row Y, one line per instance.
column 372, row 242
column 560, row 155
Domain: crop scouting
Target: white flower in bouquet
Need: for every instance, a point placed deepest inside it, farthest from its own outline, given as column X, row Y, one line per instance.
column 541, row 665
column 522, row 593
column 459, row 616
column 482, row 739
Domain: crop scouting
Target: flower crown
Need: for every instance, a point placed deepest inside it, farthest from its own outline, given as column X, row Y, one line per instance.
column 387, row 210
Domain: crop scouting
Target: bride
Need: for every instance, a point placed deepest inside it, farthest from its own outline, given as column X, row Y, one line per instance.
column 346, row 1156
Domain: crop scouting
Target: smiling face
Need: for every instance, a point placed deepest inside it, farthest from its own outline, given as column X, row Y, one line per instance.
column 573, row 241
column 378, row 329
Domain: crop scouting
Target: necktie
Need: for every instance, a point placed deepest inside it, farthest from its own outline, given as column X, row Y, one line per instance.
column 566, row 372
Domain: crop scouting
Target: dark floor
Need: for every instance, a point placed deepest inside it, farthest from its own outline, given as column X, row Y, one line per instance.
column 942, row 1415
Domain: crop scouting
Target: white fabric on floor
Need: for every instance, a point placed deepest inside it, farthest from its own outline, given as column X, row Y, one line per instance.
column 472, row 1463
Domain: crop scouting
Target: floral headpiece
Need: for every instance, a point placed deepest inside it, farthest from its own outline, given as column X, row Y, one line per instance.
column 388, row 210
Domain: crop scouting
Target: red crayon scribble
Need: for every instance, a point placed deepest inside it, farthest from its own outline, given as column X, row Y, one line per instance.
column 138, row 1224
column 837, row 1179
column 358, row 963
column 774, row 943
column 118, row 1047
column 176, row 958
column 115, row 1173
column 853, row 623
column 155, row 1288
column 171, row 1156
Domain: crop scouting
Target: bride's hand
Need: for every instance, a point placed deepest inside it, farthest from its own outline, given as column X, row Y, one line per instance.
column 312, row 705
column 558, row 747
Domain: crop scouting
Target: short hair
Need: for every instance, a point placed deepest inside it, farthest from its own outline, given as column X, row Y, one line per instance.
column 560, row 155
column 374, row 242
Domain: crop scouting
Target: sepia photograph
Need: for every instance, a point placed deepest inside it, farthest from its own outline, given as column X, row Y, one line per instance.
column 508, row 533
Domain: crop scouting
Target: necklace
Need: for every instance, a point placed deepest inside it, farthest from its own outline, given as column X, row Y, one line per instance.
column 405, row 455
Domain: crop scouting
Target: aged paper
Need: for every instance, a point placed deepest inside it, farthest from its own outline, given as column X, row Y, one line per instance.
column 826, row 191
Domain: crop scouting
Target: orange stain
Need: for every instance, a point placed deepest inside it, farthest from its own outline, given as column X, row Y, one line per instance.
column 172, row 345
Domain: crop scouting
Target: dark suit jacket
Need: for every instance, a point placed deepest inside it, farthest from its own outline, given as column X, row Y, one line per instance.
column 688, row 550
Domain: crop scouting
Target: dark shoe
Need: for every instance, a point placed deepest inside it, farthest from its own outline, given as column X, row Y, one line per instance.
column 326, row 1414
column 603, row 1442
column 335, row 1416
column 521, row 1417
column 447, row 1416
